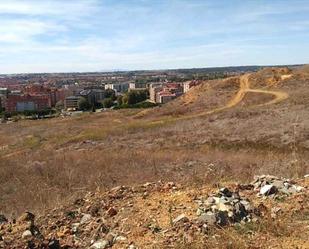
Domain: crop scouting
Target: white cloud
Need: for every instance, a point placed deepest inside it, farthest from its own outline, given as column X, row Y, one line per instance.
column 62, row 8
column 21, row 30
column 89, row 35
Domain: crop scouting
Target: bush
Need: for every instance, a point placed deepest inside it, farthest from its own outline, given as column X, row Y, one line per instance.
column 144, row 104
column 119, row 100
column 134, row 97
column 108, row 102
column 110, row 94
column 59, row 105
column 83, row 104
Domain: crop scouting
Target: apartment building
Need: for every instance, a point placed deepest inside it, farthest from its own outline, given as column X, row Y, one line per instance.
column 154, row 88
column 137, row 86
column 93, row 95
column 117, row 87
column 26, row 102
column 189, row 84
column 71, row 102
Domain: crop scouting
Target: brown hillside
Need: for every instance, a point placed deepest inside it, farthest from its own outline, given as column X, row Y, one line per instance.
column 221, row 133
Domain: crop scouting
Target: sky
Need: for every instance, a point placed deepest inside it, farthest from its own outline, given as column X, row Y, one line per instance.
column 39, row 36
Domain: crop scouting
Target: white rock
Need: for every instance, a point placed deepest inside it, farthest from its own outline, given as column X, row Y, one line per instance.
column 180, row 218
column 100, row 244
column 223, row 207
column 85, row 219
column 26, row 234
column 268, row 190
column 298, row 188
column 120, row 238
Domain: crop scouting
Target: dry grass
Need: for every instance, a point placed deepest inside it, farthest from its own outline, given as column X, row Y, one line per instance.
column 47, row 162
column 50, row 169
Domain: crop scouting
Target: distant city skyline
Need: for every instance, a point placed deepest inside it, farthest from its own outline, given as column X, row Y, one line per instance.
column 95, row 35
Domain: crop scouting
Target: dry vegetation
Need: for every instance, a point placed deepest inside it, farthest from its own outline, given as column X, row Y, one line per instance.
column 50, row 162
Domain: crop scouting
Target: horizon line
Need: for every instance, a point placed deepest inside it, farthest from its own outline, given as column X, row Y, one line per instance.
column 159, row 69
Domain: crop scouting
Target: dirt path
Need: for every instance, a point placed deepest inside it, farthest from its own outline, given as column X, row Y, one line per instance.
column 244, row 88
column 279, row 96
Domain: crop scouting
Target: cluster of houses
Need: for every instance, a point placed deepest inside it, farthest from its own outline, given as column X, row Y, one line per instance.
column 165, row 92
column 36, row 97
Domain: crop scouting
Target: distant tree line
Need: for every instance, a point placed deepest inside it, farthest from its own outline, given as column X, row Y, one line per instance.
column 28, row 113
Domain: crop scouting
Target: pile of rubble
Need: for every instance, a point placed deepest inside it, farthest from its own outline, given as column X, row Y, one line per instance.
column 141, row 216
column 224, row 208
column 269, row 185
column 93, row 222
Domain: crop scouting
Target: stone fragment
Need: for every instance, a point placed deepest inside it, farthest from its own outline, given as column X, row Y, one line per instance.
column 75, row 227
column 208, row 218
column 226, row 192
column 181, row 218
column 120, row 238
column 247, row 205
column 222, row 218
column 268, row 190
column 298, row 188
column 26, row 234
column 240, row 212
column 85, row 219
column 223, row 207
column 54, row 244
column 278, row 184
column 100, row 244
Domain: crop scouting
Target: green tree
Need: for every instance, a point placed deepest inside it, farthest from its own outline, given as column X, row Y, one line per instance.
column 83, row 104
column 108, row 102
column 120, row 100
column 109, row 93
column 59, row 105
column 134, row 97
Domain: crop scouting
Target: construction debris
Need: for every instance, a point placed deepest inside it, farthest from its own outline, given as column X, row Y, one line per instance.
column 124, row 216
column 224, row 208
column 269, row 185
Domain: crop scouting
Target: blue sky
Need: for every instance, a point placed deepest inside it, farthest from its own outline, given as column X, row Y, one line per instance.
column 92, row 35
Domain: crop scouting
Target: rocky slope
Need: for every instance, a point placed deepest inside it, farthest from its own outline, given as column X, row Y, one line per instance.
column 269, row 212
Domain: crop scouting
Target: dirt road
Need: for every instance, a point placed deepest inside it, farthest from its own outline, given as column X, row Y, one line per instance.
column 243, row 89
